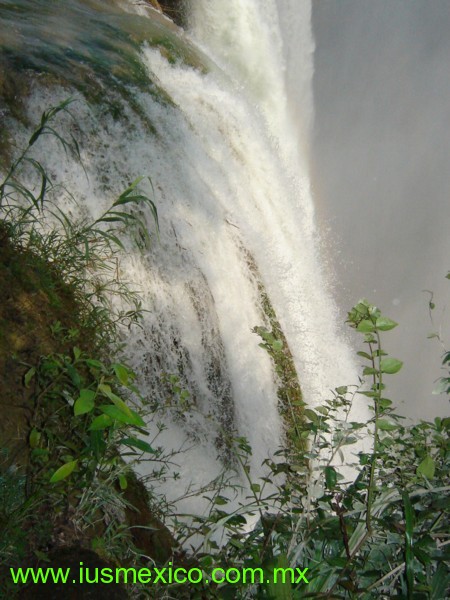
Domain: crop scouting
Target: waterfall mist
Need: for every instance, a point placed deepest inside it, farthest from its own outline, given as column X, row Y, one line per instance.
column 381, row 178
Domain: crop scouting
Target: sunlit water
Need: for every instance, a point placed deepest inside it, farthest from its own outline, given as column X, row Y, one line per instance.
column 228, row 158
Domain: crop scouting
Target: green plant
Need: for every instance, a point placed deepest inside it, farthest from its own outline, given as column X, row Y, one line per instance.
column 81, row 407
column 83, row 253
column 381, row 533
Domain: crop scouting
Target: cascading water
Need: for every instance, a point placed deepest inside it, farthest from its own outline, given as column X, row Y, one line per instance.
column 224, row 140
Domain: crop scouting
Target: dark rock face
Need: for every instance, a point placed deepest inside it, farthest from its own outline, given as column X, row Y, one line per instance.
column 175, row 10
column 148, row 533
column 33, row 296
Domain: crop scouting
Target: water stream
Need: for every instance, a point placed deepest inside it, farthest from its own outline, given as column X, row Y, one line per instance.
column 219, row 118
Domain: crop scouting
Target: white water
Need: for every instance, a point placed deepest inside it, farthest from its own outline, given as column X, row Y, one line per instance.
column 229, row 165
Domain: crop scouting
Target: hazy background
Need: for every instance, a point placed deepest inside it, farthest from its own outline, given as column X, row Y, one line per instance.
column 381, row 172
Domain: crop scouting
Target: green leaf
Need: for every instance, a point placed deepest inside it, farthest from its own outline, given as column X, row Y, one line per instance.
column 427, row 467
column 119, row 403
column 115, row 413
column 221, row 500
column 385, row 403
column 341, row 390
column 311, row 415
column 97, row 445
column 29, row 376
column 74, row 375
column 390, row 365
column 446, row 358
column 34, row 438
column 441, row 580
column 84, row 403
column 385, row 425
column 369, row 394
column 365, row 326
column 122, row 373
column 139, row 444
column 330, row 477
column 409, row 529
column 369, row 371
column 96, row 364
column 442, row 386
column 123, row 483
column 101, row 422
column 63, row 471
column 385, row 324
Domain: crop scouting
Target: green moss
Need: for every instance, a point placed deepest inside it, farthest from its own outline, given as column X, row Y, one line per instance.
column 290, row 397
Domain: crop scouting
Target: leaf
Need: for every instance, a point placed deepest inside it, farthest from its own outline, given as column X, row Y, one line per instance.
column 369, row 371
column 29, row 376
column 365, row 326
column 119, row 403
column 34, row 438
column 115, row 413
column 311, row 415
column 101, row 422
column 96, row 364
column 341, row 390
column 390, row 365
column 139, row 444
column 441, row 580
column 385, row 403
column 123, row 483
column 385, row 425
column 97, row 445
column 385, row 324
column 74, row 375
column 427, row 467
column 369, row 394
column 409, row 529
column 84, row 403
column 122, row 373
column 442, row 386
column 221, row 500
column 330, row 477
column 64, row 471
column 446, row 358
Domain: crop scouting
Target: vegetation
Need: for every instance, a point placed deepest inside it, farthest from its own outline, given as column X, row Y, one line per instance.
column 380, row 531
column 70, row 406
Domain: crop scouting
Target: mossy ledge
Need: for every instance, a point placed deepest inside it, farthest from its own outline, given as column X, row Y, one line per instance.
column 289, row 391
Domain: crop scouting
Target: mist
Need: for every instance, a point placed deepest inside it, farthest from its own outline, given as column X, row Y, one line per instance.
column 381, row 174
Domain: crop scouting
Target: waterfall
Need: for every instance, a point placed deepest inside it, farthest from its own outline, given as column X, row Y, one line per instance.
column 225, row 142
